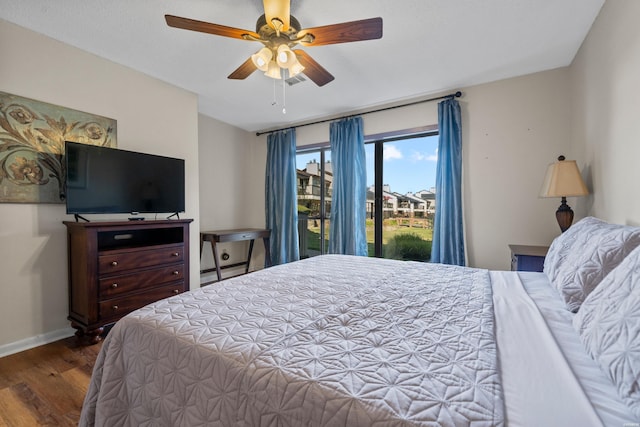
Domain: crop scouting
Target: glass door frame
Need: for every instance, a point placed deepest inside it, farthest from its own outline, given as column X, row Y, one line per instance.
column 323, row 215
column 379, row 140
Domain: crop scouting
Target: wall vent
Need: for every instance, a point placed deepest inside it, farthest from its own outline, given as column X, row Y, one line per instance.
column 295, row 80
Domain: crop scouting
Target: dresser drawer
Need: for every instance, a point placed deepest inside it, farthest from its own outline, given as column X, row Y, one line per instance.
column 113, row 286
column 118, row 261
column 118, row 307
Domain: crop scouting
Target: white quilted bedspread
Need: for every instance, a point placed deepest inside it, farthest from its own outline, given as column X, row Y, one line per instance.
column 328, row 341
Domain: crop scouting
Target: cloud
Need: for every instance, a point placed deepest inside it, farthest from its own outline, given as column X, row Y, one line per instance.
column 419, row 157
column 391, row 152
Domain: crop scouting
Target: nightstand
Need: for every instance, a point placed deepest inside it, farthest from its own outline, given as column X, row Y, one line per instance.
column 527, row 257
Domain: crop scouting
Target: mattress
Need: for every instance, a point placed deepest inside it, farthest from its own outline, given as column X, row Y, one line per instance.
column 339, row 340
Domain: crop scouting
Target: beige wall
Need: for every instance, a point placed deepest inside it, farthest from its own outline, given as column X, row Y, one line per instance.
column 606, row 108
column 230, row 189
column 512, row 129
column 152, row 117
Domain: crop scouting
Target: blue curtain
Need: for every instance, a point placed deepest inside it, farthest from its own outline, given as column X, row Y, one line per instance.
column 280, row 196
column 347, row 232
column 448, row 236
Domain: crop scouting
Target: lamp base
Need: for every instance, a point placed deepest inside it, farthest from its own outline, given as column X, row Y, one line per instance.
column 564, row 215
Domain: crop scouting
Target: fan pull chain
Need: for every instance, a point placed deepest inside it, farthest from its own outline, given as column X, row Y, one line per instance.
column 284, row 97
column 274, row 102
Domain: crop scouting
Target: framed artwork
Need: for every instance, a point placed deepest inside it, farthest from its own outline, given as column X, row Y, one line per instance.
column 32, row 137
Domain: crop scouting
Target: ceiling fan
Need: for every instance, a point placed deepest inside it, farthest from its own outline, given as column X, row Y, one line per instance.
column 280, row 33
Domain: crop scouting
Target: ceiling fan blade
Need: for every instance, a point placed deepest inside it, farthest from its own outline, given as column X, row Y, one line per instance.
column 366, row 29
column 312, row 69
column 243, row 71
column 278, row 9
column 207, row 27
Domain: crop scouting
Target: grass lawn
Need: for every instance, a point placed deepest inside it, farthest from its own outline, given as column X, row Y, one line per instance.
column 390, row 231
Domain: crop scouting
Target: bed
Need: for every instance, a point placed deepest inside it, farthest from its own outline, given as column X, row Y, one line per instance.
column 354, row 341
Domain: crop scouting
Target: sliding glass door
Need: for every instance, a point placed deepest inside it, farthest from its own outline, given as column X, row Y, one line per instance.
column 400, row 197
column 315, row 179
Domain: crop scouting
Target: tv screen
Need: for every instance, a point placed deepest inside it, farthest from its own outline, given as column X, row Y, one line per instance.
column 107, row 180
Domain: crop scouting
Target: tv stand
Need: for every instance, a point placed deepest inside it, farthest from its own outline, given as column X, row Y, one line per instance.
column 117, row 267
column 177, row 215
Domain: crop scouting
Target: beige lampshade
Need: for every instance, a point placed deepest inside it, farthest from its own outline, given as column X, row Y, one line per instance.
column 563, row 179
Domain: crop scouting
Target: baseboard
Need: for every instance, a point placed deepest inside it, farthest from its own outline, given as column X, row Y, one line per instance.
column 36, row 341
column 211, row 277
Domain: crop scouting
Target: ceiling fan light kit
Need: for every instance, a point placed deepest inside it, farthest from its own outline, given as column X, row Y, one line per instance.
column 280, row 33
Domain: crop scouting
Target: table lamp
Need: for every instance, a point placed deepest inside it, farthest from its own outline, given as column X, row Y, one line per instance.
column 563, row 179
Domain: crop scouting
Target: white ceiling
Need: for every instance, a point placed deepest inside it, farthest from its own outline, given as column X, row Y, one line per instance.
column 428, row 47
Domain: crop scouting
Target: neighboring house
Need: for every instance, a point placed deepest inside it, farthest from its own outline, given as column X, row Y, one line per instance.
column 395, row 204
column 408, row 205
column 412, row 206
column 310, row 183
column 429, row 196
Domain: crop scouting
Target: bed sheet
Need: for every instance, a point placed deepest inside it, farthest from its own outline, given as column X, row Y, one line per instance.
column 548, row 378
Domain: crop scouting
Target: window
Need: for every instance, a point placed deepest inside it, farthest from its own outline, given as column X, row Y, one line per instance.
column 400, row 196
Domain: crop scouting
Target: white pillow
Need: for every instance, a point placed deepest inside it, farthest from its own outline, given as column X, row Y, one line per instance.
column 595, row 250
column 565, row 244
column 609, row 326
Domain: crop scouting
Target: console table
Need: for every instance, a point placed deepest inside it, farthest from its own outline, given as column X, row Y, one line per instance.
column 235, row 235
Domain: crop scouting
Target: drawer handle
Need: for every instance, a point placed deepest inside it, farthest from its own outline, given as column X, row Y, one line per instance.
column 113, row 286
column 176, row 272
column 115, row 307
column 176, row 254
column 176, row 291
column 114, row 263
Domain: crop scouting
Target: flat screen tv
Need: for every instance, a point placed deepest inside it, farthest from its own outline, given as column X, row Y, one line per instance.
column 101, row 180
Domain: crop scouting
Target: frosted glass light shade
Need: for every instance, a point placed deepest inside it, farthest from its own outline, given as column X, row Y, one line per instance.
column 273, row 71
column 285, row 56
column 295, row 69
column 262, row 58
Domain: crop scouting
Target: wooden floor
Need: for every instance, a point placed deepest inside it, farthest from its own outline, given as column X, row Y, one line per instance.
column 46, row 385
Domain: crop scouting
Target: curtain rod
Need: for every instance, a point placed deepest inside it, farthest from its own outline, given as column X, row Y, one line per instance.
column 457, row 94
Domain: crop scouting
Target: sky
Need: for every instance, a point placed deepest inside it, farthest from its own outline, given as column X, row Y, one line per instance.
column 409, row 164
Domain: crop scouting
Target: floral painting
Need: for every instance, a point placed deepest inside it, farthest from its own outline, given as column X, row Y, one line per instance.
column 32, row 137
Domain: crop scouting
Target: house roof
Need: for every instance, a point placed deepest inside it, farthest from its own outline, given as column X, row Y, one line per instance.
column 428, row 47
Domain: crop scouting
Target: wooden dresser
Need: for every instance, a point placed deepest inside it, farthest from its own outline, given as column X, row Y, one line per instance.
column 117, row 267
